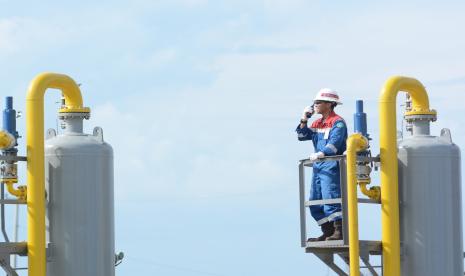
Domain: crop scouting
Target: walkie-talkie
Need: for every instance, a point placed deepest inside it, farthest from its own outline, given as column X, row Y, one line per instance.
column 309, row 115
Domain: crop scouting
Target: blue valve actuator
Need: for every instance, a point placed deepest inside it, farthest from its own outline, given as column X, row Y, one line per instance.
column 360, row 120
column 9, row 117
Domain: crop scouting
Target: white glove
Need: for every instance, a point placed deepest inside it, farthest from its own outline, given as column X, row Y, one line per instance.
column 307, row 110
column 316, row 155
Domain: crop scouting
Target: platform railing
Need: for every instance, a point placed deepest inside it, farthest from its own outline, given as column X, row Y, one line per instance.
column 325, row 250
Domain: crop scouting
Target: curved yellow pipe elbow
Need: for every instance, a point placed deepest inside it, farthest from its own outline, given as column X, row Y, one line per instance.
column 420, row 101
column 356, row 142
column 389, row 170
column 373, row 193
column 67, row 85
column 35, row 157
column 20, row 192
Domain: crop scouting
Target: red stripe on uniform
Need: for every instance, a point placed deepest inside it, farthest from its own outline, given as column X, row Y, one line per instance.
column 329, row 95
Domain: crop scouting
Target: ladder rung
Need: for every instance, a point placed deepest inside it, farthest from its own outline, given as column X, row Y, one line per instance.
column 337, row 201
column 13, row 158
column 12, row 201
column 323, row 201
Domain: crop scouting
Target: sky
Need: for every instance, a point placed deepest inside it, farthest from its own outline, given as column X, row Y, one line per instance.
column 200, row 99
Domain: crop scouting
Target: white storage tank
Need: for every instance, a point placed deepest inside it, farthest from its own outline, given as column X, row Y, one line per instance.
column 80, row 204
column 430, row 204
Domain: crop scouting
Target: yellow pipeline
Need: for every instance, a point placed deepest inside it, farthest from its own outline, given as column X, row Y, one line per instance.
column 35, row 156
column 373, row 193
column 20, row 192
column 356, row 142
column 388, row 154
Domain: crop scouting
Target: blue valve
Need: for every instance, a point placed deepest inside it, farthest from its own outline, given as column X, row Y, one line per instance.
column 360, row 120
column 9, row 117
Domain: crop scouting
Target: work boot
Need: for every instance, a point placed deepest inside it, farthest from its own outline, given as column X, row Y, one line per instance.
column 337, row 234
column 327, row 228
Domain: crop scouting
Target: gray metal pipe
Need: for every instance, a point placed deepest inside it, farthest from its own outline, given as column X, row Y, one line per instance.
column 420, row 127
column 73, row 125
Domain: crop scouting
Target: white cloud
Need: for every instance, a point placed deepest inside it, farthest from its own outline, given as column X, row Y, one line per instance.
column 187, row 150
column 227, row 138
column 19, row 34
column 237, row 127
column 148, row 62
column 288, row 7
column 162, row 57
column 193, row 3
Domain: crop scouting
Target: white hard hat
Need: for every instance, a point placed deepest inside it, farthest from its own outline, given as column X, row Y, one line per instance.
column 328, row 95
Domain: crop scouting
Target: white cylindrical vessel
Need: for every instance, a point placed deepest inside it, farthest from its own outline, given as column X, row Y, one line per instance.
column 80, row 204
column 430, row 206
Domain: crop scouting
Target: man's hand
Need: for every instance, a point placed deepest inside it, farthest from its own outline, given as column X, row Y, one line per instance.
column 316, row 155
column 307, row 113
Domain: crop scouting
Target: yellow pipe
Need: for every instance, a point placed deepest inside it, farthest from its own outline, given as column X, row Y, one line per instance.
column 373, row 193
column 388, row 154
column 6, row 140
column 35, row 156
column 20, row 192
column 356, row 142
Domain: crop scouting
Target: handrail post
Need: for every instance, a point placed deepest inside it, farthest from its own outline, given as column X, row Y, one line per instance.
column 303, row 219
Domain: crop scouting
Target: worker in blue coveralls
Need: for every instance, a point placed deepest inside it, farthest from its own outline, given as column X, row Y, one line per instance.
column 328, row 134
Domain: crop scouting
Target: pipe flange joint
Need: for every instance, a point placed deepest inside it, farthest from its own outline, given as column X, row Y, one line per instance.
column 9, row 180
column 421, row 115
column 74, row 112
column 363, row 179
column 71, row 109
column 71, row 115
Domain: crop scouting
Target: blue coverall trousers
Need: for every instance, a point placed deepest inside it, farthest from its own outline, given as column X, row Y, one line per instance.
column 325, row 185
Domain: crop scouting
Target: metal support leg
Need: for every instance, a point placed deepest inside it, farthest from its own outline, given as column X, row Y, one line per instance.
column 328, row 259
column 5, row 264
column 2, row 207
column 345, row 257
column 366, row 261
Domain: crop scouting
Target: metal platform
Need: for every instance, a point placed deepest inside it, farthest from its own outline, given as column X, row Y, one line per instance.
column 6, row 250
column 326, row 250
column 366, row 247
column 18, row 248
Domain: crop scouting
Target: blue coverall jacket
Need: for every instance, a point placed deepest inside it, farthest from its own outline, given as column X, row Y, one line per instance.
column 329, row 137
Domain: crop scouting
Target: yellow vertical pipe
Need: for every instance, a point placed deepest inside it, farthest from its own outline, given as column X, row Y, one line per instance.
column 35, row 157
column 356, row 142
column 389, row 172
